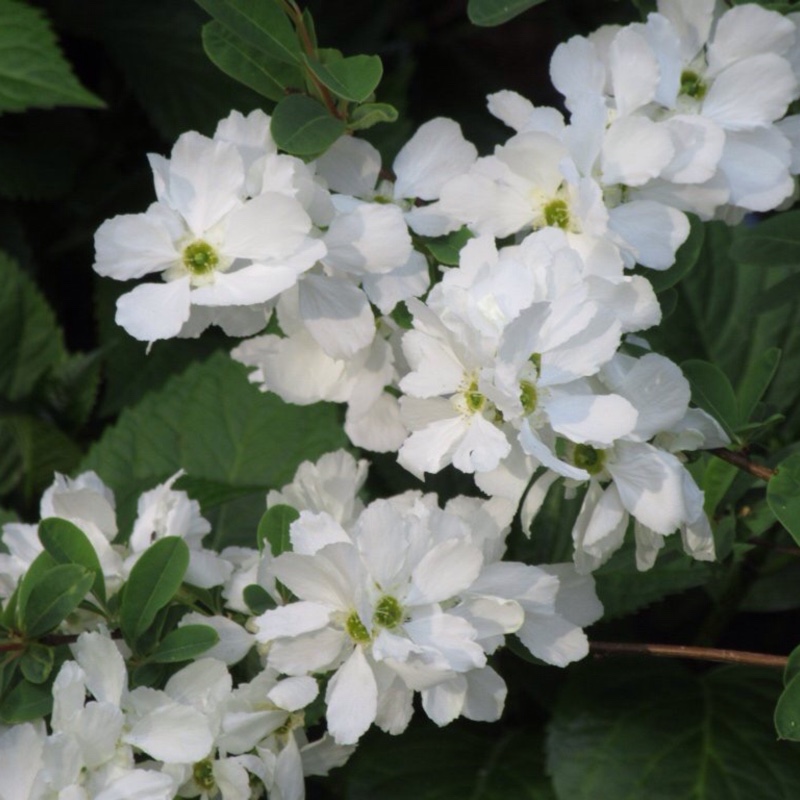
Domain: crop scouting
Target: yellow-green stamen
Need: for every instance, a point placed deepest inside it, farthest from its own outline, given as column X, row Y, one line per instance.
column 556, row 214
column 388, row 612
column 200, row 258
column 588, row 458
column 692, row 85
column 203, row 774
column 356, row 629
column 528, row 396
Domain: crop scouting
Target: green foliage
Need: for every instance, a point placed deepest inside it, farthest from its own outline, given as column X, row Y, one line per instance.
column 447, row 249
column 355, row 78
column 258, row 599
column 184, row 644
column 26, row 701
column 33, row 72
column 685, row 259
column 56, row 594
column 153, row 582
column 783, row 495
column 712, row 391
column 273, row 530
column 655, row 730
column 36, row 663
column 303, row 126
column 495, row 12
column 769, row 243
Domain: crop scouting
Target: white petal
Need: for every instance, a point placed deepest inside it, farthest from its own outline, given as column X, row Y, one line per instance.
column 352, row 698
column 634, row 69
column 351, row 166
column 594, row 419
column 155, row 310
column 133, row 245
column 106, row 674
column 576, row 70
column 294, row 693
column 444, row 702
column 243, row 287
column 698, row 148
column 652, row 230
column 173, row 733
column 234, row 641
column 140, row 784
column 554, row 640
column 292, row 620
column 635, row 150
column 486, row 695
column 313, row 652
column 444, row 572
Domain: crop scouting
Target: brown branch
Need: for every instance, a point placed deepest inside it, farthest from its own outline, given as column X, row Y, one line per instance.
column 52, row 640
column 743, row 463
column 684, row 651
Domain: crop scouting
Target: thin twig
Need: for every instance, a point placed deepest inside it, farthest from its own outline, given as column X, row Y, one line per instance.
column 743, row 463
column 684, row 651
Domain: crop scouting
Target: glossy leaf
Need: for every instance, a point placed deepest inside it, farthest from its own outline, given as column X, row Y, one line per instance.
column 36, row 662
column 369, row 114
column 447, row 249
column 354, row 78
column 258, row 598
column 184, row 644
column 756, row 381
column 26, row 701
column 488, row 13
column 783, row 495
column 57, row 593
column 38, row 567
column 769, row 242
column 153, row 582
column 302, row 126
column 787, row 711
column 33, row 72
column 712, row 391
column 792, row 667
column 273, row 530
column 68, row 544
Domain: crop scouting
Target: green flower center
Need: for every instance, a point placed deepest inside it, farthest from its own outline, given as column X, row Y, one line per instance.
column 528, row 396
column 693, row 85
column 588, row 458
column 388, row 612
column 556, row 214
column 200, row 258
column 475, row 401
column 356, row 629
column 203, row 774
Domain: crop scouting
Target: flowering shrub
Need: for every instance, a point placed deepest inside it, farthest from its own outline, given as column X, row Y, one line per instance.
column 403, row 437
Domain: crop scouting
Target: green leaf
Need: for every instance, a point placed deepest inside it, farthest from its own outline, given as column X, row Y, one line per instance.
column 756, row 381
column 153, row 582
column 274, row 529
column 369, row 114
column 212, row 422
column 717, row 479
column 70, row 390
column 261, row 23
column 258, row 598
column 184, row 644
column 37, row 662
column 770, row 242
column 783, row 495
column 30, row 339
column 787, row 711
column 33, row 72
column 685, row 258
column 792, row 667
column 488, row 13
column 636, row 729
column 354, row 78
column 248, row 65
column 26, row 702
column 68, row 544
column 712, row 391
column 453, row 764
column 782, row 293
column 57, row 593
column 302, row 126
column 447, row 249
column 38, row 567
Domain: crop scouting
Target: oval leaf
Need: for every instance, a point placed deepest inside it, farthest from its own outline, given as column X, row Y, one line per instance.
column 302, row 126
column 274, row 529
column 369, row 114
column 68, row 544
column 258, row 599
column 184, row 644
column 41, row 564
column 769, row 243
column 354, row 78
column 712, row 391
column 153, row 582
column 488, row 13
column 58, row 592
column 26, row 701
column 787, row 711
column 783, row 495
column 36, row 663
column 757, row 380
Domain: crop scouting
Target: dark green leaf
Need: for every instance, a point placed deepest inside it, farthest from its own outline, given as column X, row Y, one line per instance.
column 68, row 544
column 756, row 381
column 793, row 667
column 30, row 339
column 685, row 258
column 71, row 388
column 38, row 567
column 184, row 644
column 261, row 23
column 248, row 65
column 770, row 242
column 57, row 593
column 302, row 126
column 25, row 702
column 637, row 729
column 782, row 293
column 787, row 711
column 488, row 13
column 274, row 529
column 33, row 72
column 717, row 479
column 449, row 764
column 447, row 250
column 153, row 582
column 258, row 598
column 712, row 391
column 783, row 495
column 37, row 662
column 354, row 78
column 369, row 114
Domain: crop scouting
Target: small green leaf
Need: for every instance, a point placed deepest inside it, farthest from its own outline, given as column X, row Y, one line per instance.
column 302, row 126
column 261, row 23
column 274, row 529
column 685, row 258
column 57, row 593
column 153, row 582
column 68, row 544
column 712, row 391
column 25, row 702
column 787, row 711
column 488, row 13
column 184, row 644
column 447, row 249
column 792, row 666
column 717, row 479
column 258, row 599
column 248, row 65
column 33, row 72
column 783, row 495
column 354, row 78
column 37, row 662
column 369, row 114
column 756, row 381
column 39, row 566
column 769, row 243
